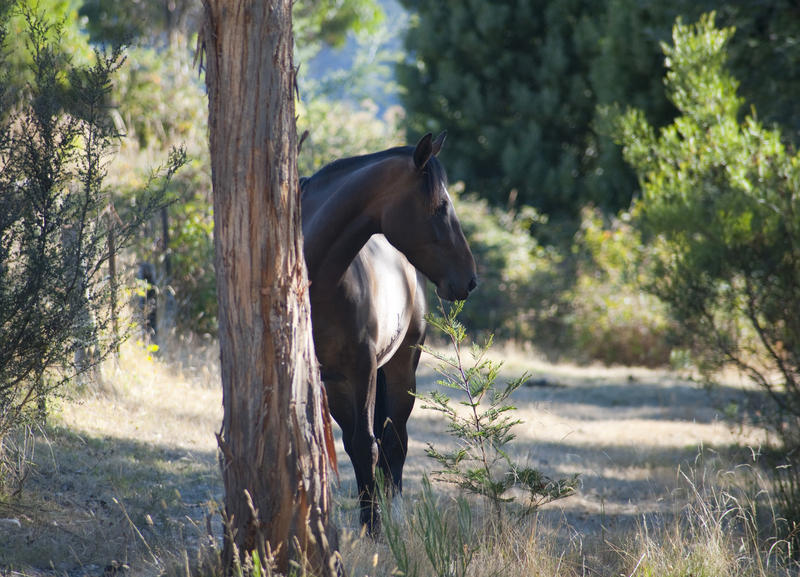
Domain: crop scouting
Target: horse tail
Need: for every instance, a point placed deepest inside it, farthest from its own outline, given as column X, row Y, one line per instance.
column 379, row 420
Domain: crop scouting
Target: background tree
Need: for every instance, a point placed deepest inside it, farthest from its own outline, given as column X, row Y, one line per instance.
column 275, row 438
column 523, row 87
column 509, row 81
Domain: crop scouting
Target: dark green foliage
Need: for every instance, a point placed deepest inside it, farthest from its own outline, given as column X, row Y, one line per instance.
column 54, row 211
column 509, row 81
column 481, row 465
column 525, row 87
column 764, row 56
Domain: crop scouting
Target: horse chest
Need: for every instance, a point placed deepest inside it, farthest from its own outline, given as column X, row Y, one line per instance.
column 371, row 305
column 392, row 293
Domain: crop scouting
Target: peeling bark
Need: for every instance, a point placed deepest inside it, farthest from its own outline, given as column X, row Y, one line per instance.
column 272, row 441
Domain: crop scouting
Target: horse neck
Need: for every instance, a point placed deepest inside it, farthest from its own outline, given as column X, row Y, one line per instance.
column 344, row 221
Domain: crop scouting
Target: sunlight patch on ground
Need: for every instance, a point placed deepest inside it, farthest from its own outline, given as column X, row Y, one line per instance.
column 147, row 402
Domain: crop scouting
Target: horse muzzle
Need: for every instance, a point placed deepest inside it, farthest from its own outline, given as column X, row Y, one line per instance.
column 451, row 291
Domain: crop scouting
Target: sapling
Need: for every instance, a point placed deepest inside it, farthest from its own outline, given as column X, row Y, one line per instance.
column 481, row 464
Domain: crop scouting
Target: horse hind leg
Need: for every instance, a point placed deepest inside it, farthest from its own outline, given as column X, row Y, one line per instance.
column 380, row 422
column 389, row 439
column 361, row 445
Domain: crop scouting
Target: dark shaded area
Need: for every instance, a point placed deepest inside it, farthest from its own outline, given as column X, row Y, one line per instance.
column 93, row 502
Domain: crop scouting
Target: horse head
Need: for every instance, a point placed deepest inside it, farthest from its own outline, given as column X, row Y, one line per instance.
column 421, row 222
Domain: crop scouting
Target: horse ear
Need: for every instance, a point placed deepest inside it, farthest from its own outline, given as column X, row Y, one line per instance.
column 437, row 144
column 423, row 151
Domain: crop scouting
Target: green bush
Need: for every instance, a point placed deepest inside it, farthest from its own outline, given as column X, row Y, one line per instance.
column 611, row 318
column 58, row 314
column 519, row 281
column 721, row 206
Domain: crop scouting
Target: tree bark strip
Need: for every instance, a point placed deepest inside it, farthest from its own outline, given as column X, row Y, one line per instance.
column 272, row 438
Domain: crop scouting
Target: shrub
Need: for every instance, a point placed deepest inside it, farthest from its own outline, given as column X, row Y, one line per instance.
column 612, row 319
column 585, row 303
column 721, row 206
column 54, row 233
column 519, row 281
column 481, row 465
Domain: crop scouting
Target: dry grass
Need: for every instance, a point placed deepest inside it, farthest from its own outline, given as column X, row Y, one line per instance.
column 127, row 476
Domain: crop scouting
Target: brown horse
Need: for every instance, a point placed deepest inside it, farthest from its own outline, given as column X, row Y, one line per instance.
column 371, row 225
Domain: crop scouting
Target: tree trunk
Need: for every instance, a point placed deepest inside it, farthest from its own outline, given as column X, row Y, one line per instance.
column 275, row 438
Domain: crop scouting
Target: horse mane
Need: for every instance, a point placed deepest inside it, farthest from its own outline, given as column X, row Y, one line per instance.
column 433, row 173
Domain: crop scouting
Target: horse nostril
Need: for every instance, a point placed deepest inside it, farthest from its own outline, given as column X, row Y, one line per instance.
column 473, row 282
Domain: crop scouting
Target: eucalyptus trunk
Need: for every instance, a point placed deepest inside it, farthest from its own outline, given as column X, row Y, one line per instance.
column 275, row 440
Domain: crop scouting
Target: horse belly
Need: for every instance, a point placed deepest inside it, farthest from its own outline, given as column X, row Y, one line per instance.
column 394, row 293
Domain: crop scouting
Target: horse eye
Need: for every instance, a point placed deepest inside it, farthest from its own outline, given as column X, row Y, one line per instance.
column 441, row 210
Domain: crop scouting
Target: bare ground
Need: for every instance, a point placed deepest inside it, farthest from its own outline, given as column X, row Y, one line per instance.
column 128, row 477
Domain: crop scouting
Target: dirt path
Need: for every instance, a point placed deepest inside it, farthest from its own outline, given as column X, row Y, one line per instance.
column 128, row 478
column 624, row 431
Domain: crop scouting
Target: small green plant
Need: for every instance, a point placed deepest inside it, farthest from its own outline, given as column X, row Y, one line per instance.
column 481, row 464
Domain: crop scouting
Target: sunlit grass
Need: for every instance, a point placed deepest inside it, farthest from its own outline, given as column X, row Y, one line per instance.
column 144, row 398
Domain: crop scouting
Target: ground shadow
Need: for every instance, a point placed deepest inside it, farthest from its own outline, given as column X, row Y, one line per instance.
column 92, row 504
